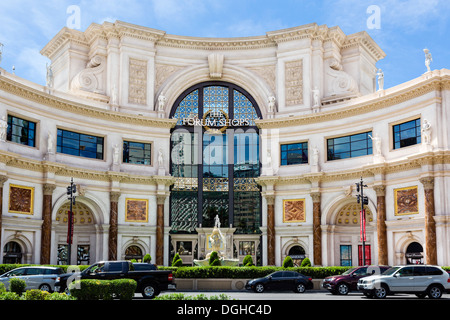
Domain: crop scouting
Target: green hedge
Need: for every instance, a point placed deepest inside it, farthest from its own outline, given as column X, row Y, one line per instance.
column 90, row 289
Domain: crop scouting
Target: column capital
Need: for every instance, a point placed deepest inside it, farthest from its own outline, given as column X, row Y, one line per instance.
column 270, row 198
column 3, row 179
column 315, row 196
column 114, row 196
column 161, row 198
column 428, row 182
column 380, row 190
column 48, row 189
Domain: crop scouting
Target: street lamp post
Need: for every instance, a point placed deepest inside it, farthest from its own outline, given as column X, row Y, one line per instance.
column 363, row 200
column 71, row 190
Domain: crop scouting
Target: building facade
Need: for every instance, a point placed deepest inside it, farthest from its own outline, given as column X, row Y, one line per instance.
column 167, row 135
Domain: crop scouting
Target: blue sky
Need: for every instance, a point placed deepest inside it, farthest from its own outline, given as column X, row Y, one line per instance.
column 404, row 28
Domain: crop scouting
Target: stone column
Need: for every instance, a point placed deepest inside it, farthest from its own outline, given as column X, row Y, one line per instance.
column 430, row 225
column 46, row 233
column 160, row 229
column 113, row 225
column 2, row 181
column 381, row 225
column 270, row 230
column 317, row 232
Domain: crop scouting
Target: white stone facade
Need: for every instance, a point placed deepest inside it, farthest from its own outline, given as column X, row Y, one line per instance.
column 108, row 81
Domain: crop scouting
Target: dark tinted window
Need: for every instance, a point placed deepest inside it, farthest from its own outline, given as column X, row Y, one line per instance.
column 433, row 271
column 34, row 271
column 79, row 144
column 406, row 272
column 144, row 266
column 349, row 146
column 21, row 131
column 277, row 274
column 420, row 271
column 407, row 134
column 53, row 271
column 115, row 266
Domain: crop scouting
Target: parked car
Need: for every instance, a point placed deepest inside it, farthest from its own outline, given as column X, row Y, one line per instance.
column 347, row 281
column 421, row 280
column 150, row 281
column 35, row 277
column 281, row 280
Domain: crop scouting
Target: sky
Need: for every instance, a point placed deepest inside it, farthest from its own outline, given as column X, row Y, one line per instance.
column 401, row 28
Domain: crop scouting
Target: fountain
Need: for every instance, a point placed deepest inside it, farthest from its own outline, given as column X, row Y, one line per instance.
column 218, row 242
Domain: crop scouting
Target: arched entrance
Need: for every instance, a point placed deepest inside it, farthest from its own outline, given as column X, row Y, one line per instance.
column 84, row 234
column 215, row 160
column 297, row 253
column 414, row 253
column 134, row 253
column 12, row 253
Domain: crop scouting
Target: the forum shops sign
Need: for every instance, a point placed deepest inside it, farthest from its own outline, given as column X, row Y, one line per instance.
column 215, row 122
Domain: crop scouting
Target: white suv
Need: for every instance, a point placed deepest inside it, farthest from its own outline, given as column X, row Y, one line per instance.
column 418, row 279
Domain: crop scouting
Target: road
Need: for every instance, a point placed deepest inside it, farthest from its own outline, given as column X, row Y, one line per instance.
column 287, row 295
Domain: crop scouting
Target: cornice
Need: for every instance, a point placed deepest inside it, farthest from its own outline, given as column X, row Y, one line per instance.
column 434, row 83
column 21, row 90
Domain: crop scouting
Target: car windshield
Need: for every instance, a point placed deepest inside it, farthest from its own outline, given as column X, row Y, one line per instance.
column 349, row 271
column 390, row 271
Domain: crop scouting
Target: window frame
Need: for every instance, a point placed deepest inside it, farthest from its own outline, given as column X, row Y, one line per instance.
column 138, row 142
column 81, row 134
column 350, row 150
column 287, row 152
column 10, row 126
column 418, row 137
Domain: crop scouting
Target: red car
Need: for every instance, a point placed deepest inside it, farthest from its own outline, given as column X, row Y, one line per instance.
column 346, row 282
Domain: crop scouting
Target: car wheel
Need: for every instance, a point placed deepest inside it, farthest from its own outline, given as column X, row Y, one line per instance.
column 435, row 292
column 381, row 292
column 149, row 291
column 300, row 288
column 45, row 287
column 342, row 288
column 259, row 288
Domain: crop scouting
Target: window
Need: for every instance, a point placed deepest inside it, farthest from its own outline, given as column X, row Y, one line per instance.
column 294, row 153
column 407, row 134
column 349, row 146
column 346, row 255
column 137, row 152
column 21, row 131
column 79, row 144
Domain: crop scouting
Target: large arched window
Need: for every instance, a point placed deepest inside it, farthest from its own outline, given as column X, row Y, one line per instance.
column 215, row 158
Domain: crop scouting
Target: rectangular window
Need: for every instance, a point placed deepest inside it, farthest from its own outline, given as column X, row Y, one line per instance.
column 137, row 152
column 346, row 255
column 294, row 153
column 79, row 144
column 407, row 134
column 349, row 146
column 21, row 131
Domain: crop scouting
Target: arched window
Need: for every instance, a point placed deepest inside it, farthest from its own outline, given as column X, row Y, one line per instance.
column 133, row 252
column 215, row 158
column 12, row 253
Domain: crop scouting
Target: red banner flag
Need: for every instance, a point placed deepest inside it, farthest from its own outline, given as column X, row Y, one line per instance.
column 363, row 225
column 70, row 227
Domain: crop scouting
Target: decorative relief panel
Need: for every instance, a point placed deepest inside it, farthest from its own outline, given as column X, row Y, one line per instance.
column 294, row 210
column 136, row 210
column 21, row 199
column 294, row 82
column 406, row 201
column 162, row 73
column 137, row 85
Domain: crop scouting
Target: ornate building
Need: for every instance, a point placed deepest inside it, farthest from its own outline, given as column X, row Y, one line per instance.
column 164, row 133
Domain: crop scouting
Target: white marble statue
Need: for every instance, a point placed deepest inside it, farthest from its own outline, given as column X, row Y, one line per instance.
column 114, row 95
column 50, row 143
column 116, row 154
column 160, row 158
column 316, row 97
column 161, row 102
column 3, row 127
column 428, row 59
column 315, row 157
column 380, row 75
column 426, row 132
column 376, row 140
column 49, row 78
column 271, row 106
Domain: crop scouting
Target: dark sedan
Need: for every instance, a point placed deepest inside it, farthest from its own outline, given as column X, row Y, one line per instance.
column 281, row 281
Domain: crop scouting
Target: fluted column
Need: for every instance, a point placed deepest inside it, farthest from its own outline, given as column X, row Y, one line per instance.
column 160, row 230
column 2, row 181
column 430, row 225
column 381, row 225
column 113, row 225
column 270, row 230
column 317, row 231
column 46, row 233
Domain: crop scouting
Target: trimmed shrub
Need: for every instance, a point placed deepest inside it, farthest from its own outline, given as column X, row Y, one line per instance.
column 9, row 296
column 177, row 262
column 2, row 287
column 306, row 263
column 288, row 262
column 17, row 285
column 35, row 294
column 248, row 261
column 214, row 259
column 147, row 258
column 92, row 289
